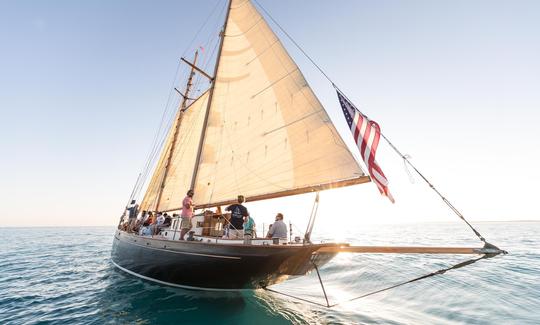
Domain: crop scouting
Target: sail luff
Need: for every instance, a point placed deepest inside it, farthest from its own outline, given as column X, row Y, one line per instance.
column 210, row 98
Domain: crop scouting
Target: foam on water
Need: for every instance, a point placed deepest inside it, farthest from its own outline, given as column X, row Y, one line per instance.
column 64, row 275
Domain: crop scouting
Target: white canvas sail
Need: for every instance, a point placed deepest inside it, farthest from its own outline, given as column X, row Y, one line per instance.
column 267, row 134
column 182, row 162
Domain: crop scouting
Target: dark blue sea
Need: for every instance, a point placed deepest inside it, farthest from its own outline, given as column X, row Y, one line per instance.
column 64, row 276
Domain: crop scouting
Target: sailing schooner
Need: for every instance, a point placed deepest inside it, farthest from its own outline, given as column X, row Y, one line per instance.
column 258, row 131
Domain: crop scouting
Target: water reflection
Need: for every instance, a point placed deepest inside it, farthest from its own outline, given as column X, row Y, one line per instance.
column 65, row 276
column 128, row 298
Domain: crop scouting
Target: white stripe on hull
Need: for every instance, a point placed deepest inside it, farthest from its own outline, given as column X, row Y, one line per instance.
column 173, row 284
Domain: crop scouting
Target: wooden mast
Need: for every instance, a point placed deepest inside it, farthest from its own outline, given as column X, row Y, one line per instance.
column 182, row 108
column 210, row 96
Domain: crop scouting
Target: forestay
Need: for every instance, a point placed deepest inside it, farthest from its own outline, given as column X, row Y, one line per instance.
column 266, row 132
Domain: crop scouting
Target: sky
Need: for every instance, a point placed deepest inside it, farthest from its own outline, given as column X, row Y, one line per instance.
column 453, row 84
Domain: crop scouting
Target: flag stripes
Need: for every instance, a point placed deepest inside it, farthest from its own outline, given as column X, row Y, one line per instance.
column 366, row 134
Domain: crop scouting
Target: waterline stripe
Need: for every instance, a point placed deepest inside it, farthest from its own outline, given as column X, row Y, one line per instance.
column 173, row 284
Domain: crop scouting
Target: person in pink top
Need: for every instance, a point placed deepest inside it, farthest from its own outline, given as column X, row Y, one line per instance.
column 187, row 213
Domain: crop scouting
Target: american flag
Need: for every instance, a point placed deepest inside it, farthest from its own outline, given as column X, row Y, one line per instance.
column 366, row 134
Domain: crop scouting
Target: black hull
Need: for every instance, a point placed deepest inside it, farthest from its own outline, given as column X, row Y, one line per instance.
column 199, row 265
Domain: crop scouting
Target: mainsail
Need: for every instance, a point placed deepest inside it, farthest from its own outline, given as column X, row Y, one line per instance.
column 265, row 134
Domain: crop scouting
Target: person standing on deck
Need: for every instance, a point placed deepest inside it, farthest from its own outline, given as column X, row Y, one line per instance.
column 278, row 229
column 133, row 210
column 238, row 213
column 187, row 213
column 249, row 230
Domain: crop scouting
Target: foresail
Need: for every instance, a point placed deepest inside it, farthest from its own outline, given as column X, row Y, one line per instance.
column 182, row 161
column 267, row 132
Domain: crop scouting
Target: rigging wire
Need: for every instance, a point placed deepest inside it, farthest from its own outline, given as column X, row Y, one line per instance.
column 450, row 205
column 157, row 142
column 438, row 272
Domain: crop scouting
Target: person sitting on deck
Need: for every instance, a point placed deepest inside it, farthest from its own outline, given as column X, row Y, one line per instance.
column 159, row 223
column 154, row 218
column 152, row 222
column 187, row 213
column 168, row 220
column 278, row 229
column 226, row 230
column 238, row 213
column 147, row 217
column 145, row 230
column 161, row 219
column 249, row 230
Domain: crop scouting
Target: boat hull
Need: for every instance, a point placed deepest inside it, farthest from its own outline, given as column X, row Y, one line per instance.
column 213, row 266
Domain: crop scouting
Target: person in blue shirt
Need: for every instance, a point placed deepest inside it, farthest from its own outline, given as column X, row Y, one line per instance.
column 236, row 223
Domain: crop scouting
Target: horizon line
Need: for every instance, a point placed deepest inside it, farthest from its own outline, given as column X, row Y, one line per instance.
column 385, row 223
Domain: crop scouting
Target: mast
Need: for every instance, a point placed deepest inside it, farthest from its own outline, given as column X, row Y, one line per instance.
column 211, row 95
column 182, row 108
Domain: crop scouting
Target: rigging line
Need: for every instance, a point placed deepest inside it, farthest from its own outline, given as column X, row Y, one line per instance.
column 157, row 143
column 294, row 42
column 206, row 61
column 160, row 127
column 438, row 272
column 298, row 229
column 450, row 205
column 151, row 154
column 162, row 135
column 341, row 141
column 204, row 24
column 406, row 159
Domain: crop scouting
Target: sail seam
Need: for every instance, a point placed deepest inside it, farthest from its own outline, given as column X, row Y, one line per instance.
column 247, row 31
column 339, row 137
column 247, row 184
column 273, row 83
column 263, row 52
column 293, row 122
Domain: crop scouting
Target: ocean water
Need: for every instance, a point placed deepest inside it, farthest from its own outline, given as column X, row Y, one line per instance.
column 64, row 276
